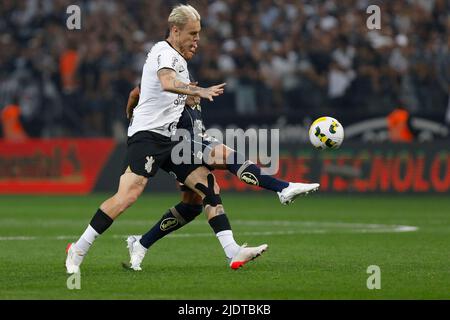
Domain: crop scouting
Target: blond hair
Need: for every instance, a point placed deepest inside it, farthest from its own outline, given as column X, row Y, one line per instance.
column 181, row 14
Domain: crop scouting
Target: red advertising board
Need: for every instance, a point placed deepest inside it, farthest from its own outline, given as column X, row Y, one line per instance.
column 54, row 166
column 360, row 168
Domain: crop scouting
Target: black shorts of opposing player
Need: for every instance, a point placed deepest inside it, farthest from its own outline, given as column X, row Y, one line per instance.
column 199, row 143
column 148, row 151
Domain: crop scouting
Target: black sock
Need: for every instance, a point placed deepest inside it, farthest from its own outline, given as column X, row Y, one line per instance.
column 220, row 223
column 101, row 221
column 250, row 173
column 172, row 220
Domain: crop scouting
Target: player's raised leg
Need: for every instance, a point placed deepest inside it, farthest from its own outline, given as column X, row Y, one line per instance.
column 202, row 181
column 223, row 157
column 175, row 218
column 130, row 188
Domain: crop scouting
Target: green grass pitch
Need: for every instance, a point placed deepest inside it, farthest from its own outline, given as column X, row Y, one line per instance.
column 319, row 248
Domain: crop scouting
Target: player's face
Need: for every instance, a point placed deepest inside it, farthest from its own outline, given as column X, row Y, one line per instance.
column 189, row 37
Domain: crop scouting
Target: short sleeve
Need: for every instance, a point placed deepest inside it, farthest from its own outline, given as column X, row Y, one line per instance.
column 167, row 59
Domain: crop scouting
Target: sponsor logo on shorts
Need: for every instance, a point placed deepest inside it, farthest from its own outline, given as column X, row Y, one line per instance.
column 168, row 223
column 149, row 164
column 249, row 178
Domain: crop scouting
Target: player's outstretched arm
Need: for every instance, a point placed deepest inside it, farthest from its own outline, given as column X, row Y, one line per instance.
column 170, row 83
column 133, row 100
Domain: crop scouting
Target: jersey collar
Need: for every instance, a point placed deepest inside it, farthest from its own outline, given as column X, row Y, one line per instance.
column 174, row 48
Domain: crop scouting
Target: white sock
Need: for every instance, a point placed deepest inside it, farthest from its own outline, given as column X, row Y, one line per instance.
column 86, row 239
column 228, row 244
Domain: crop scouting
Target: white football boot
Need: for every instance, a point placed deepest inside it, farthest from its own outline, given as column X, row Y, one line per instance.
column 74, row 258
column 137, row 252
column 246, row 254
column 291, row 192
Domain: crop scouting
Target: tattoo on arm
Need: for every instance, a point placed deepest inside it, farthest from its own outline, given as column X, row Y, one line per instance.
column 177, row 85
column 180, row 85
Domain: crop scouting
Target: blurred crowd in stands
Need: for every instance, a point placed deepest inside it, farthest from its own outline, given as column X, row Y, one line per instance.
column 279, row 57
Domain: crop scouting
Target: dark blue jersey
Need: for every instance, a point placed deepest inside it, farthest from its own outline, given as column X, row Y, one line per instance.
column 191, row 120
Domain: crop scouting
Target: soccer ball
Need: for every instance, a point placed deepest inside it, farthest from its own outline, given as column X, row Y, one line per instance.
column 326, row 133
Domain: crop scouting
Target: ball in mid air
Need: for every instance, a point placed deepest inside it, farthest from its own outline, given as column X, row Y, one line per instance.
column 326, row 133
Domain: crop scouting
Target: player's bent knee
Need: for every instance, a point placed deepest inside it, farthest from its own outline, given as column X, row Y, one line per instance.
column 211, row 197
column 131, row 199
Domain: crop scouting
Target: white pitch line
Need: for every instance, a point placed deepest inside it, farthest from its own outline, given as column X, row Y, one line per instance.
column 271, row 223
column 301, row 227
column 18, row 238
column 406, row 229
column 392, row 229
column 175, row 235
